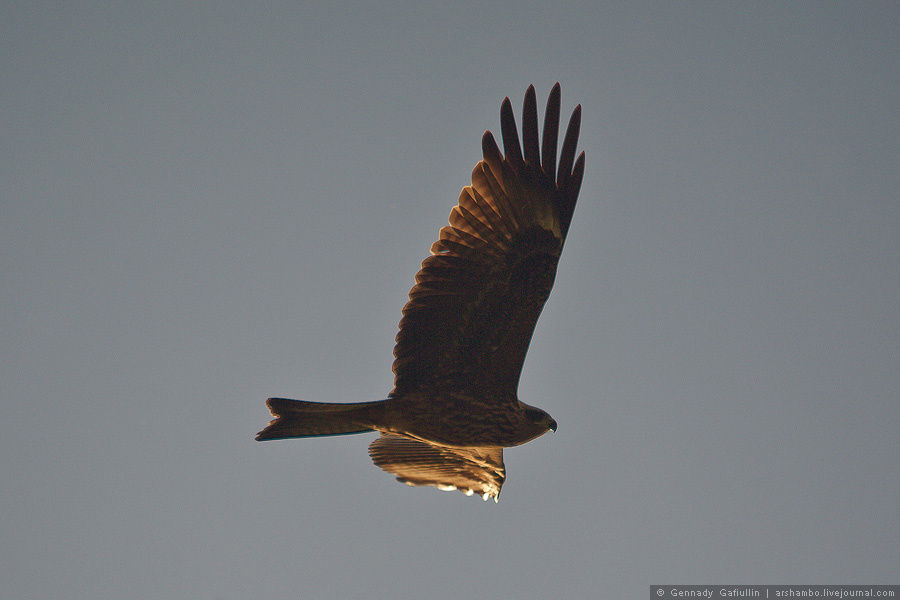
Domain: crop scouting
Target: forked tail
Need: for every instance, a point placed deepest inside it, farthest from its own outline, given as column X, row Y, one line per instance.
column 298, row 418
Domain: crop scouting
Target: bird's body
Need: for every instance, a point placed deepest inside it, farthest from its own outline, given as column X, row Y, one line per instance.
column 450, row 419
column 463, row 420
column 469, row 321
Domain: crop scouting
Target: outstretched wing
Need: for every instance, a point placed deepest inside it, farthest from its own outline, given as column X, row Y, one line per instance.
column 476, row 300
column 470, row 470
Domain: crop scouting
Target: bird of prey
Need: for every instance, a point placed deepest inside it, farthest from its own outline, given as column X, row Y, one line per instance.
column 469, row 320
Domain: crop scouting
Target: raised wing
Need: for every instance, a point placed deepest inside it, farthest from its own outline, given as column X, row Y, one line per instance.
column 476, row 300
column 470, row 470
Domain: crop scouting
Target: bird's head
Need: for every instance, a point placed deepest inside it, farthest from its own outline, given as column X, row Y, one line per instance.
column 538, row 421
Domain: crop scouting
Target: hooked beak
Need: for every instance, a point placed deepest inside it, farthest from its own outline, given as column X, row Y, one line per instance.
column 552, row 425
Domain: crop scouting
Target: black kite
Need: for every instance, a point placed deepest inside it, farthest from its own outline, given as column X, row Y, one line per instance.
column 469, row 320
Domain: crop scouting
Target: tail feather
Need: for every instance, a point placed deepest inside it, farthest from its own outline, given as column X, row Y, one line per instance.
column 299, row 418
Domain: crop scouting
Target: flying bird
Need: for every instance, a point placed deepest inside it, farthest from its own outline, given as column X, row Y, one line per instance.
column 469, row 320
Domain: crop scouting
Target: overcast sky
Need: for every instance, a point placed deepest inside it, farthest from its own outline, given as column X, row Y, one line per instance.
column 203, row 206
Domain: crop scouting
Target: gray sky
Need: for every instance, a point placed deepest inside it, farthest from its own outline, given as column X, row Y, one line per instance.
column 206, row 206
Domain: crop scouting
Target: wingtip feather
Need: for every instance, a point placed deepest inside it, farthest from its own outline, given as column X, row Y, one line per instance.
column 508, row 128
column 530, row 136
column 551, row 133
column 567, row 156
column 492, row 155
